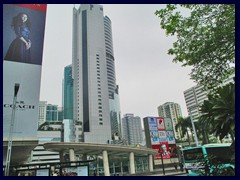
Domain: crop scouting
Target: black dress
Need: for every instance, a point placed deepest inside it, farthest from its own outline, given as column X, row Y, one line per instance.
column 17, row 50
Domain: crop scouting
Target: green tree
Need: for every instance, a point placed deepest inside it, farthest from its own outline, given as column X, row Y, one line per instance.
column 224, row 111
column 206, row 119
column 218, row 112
column 205, row 40
column 183, row 125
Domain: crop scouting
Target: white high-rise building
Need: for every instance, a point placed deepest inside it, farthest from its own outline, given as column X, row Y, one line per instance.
column 94, row 75
column 171, row 110
column 195, row 96
column 132, row 129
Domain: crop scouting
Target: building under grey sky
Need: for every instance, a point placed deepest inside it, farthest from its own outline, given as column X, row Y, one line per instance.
column 132, row 129
column 171, row 110
column 94, row 75
column 145, row 72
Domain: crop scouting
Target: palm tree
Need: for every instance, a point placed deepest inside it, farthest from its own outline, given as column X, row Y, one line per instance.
column 183, row 125
column 224, row 111
column 218, row 112
column 206, row 119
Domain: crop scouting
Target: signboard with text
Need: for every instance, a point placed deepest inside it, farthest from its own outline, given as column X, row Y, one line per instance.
column 23, row 39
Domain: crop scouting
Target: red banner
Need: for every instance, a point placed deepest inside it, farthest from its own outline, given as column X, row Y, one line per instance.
column 40, row 7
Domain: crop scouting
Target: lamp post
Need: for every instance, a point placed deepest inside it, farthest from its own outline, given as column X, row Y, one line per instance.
column 161, row 154
column 193, row 126
column 9, row 150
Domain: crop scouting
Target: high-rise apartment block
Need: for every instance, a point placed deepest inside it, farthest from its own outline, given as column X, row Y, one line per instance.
column 95, row 93
column 170, row 110
column 132, row 129
column 195, row 96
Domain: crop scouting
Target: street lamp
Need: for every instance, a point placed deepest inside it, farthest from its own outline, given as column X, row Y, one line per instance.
column 9, row 150
column 193, row 126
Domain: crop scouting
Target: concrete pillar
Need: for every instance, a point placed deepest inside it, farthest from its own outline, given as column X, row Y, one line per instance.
column 61, row 154
column 132, row 164
column 114, row 168
column 105, row 163
column 150, row 162
column 71, row 155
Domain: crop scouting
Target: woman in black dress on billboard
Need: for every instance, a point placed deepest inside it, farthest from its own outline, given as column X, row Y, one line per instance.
column 19, row 49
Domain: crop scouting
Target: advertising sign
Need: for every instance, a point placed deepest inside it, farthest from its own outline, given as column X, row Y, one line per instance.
column 75, row 171
column 152, row 123
column 23, row 35
column 168, row 124
column 160, row 123
column 164, row 149
column 170, row 137
column 162, row 136
column 154, row 137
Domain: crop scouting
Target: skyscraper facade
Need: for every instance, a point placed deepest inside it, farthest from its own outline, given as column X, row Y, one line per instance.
column 170, row 110
column 93, row 73
column 132, row 129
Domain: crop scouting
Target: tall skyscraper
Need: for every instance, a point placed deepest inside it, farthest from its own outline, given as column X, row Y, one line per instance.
column 170, row 110
column 132, row 129
column 94, row 75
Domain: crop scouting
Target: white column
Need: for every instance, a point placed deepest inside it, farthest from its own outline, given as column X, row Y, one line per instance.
column 71, row 155
column 105, row 163
column 132, row 164
column 150, row 162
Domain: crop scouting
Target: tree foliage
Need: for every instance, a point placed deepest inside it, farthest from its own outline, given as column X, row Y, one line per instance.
column 218, row 112
column 183, row 125
column 205, row 39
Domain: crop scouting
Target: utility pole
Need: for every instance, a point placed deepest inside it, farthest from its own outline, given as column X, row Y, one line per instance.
column 9, row 150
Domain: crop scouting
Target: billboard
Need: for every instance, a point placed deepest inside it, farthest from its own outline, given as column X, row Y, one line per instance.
column 170, row 137
column 75, row 171
column 168, row 124
column 161, row 135
column 152, row 123
column 154, row 137
column 160, row 123
column 23, row 39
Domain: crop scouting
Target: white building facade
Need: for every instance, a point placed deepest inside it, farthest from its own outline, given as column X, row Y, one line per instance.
column 171, row 110
column 93, row 63
column 132, row 129
column 195, row 96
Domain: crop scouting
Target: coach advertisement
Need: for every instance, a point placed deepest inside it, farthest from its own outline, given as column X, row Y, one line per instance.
column 23, row 39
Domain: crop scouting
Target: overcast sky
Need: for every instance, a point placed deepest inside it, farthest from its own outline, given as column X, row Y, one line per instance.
column 145, row 73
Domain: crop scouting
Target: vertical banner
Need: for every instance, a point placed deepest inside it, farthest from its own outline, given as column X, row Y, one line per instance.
column 152, row 123
column 170, row 137
column 168, row 124
column 164, row 149
column 154, row 137
column 23, row 39
column 162, row 136
column 160, row 122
